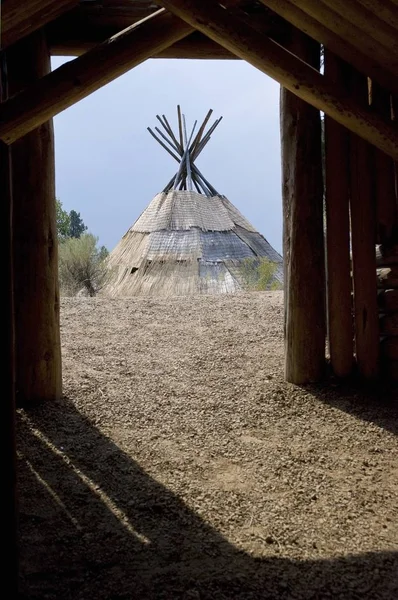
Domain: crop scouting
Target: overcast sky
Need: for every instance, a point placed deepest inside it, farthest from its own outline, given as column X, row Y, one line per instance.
column 108, row 167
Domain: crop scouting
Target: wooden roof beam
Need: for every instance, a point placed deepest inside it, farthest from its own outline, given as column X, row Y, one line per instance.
column 78, row 78
column 384, row 9
column 366, row 16
column 194, row 46
column 94, row 21
column 337, row 19
column 348, row 49
column 269, row 57
column 19, row 21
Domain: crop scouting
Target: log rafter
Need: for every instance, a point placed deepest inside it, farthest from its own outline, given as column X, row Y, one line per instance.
column 78, row 78
column 93, row 22
column 194, row 46
column 17, row 23
column 366, row 20
column 349, row 49
column 291, row 72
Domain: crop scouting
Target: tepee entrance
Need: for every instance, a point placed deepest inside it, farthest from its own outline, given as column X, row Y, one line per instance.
column 190, row 239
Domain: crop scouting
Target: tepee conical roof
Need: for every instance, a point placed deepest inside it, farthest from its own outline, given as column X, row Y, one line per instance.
column 190, row 239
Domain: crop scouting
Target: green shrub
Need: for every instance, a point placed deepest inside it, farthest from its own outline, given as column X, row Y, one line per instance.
column 258, row 274
column 82, row 265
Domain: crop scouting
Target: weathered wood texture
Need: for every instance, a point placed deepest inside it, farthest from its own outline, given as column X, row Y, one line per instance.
column 354, row 25
column 19, row 21
column 292, row 73
column 348, row 48
column 367, row 22
column 9, row 493
column 80, row 77
column 38, row 350
column 363, row 226
column 389, row 348
column 384, row 9
column 93, row 22
column 337, row 194
column 389, row 324
column 303, row 240
column 388, row 300
column 195, row 46
column 386, row 198
column 386, row 255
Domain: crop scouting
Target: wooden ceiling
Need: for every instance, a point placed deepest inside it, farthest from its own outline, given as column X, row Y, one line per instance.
column 75, row 26
column 362, row 32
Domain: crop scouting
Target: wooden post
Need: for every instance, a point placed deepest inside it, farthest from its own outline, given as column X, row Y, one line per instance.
column 38, row 350
column 386, row 203
column 363, row 226
column 303, row 239
column 9, row 533
column 337, row 192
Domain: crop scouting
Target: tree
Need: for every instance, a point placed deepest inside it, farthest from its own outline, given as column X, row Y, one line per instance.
column 82, row 265
column 77, row 227
column 63, row 221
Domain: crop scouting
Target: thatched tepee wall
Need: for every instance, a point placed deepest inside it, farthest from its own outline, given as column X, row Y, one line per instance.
column 189, row 241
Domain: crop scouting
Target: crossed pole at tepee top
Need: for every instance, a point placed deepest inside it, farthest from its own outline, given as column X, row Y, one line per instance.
column 185, row 150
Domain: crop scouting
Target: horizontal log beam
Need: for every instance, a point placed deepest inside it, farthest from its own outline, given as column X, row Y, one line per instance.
column 80, row 30
column 269, row 57
column 346, row 49
column 77, row 79
column 18, row 22
column 194, row 46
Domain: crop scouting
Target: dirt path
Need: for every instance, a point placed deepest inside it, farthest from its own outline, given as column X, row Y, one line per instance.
column 179, row 465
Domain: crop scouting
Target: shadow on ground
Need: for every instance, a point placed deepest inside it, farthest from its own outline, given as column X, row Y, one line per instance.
column 374, row 403
column 95, row 526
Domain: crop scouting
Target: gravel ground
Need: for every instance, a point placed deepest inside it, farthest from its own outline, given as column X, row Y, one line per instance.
column 180, row 465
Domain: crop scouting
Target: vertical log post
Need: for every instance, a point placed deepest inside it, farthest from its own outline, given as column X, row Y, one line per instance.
column 303, row 237
column 363, row 227
column 38, row 352
column 337, row 193
column 386, row 203
column 387, row 237
column 9, row 532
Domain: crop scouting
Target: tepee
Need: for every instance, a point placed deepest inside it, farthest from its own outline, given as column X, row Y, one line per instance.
column 190, row 239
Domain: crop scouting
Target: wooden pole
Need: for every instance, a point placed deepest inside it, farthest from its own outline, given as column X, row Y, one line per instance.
column 9, row 493
column 363, row 226
column 38, row 350
column 292, row 73
column 337, row 192
column 78, row 78
column 303, row 239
